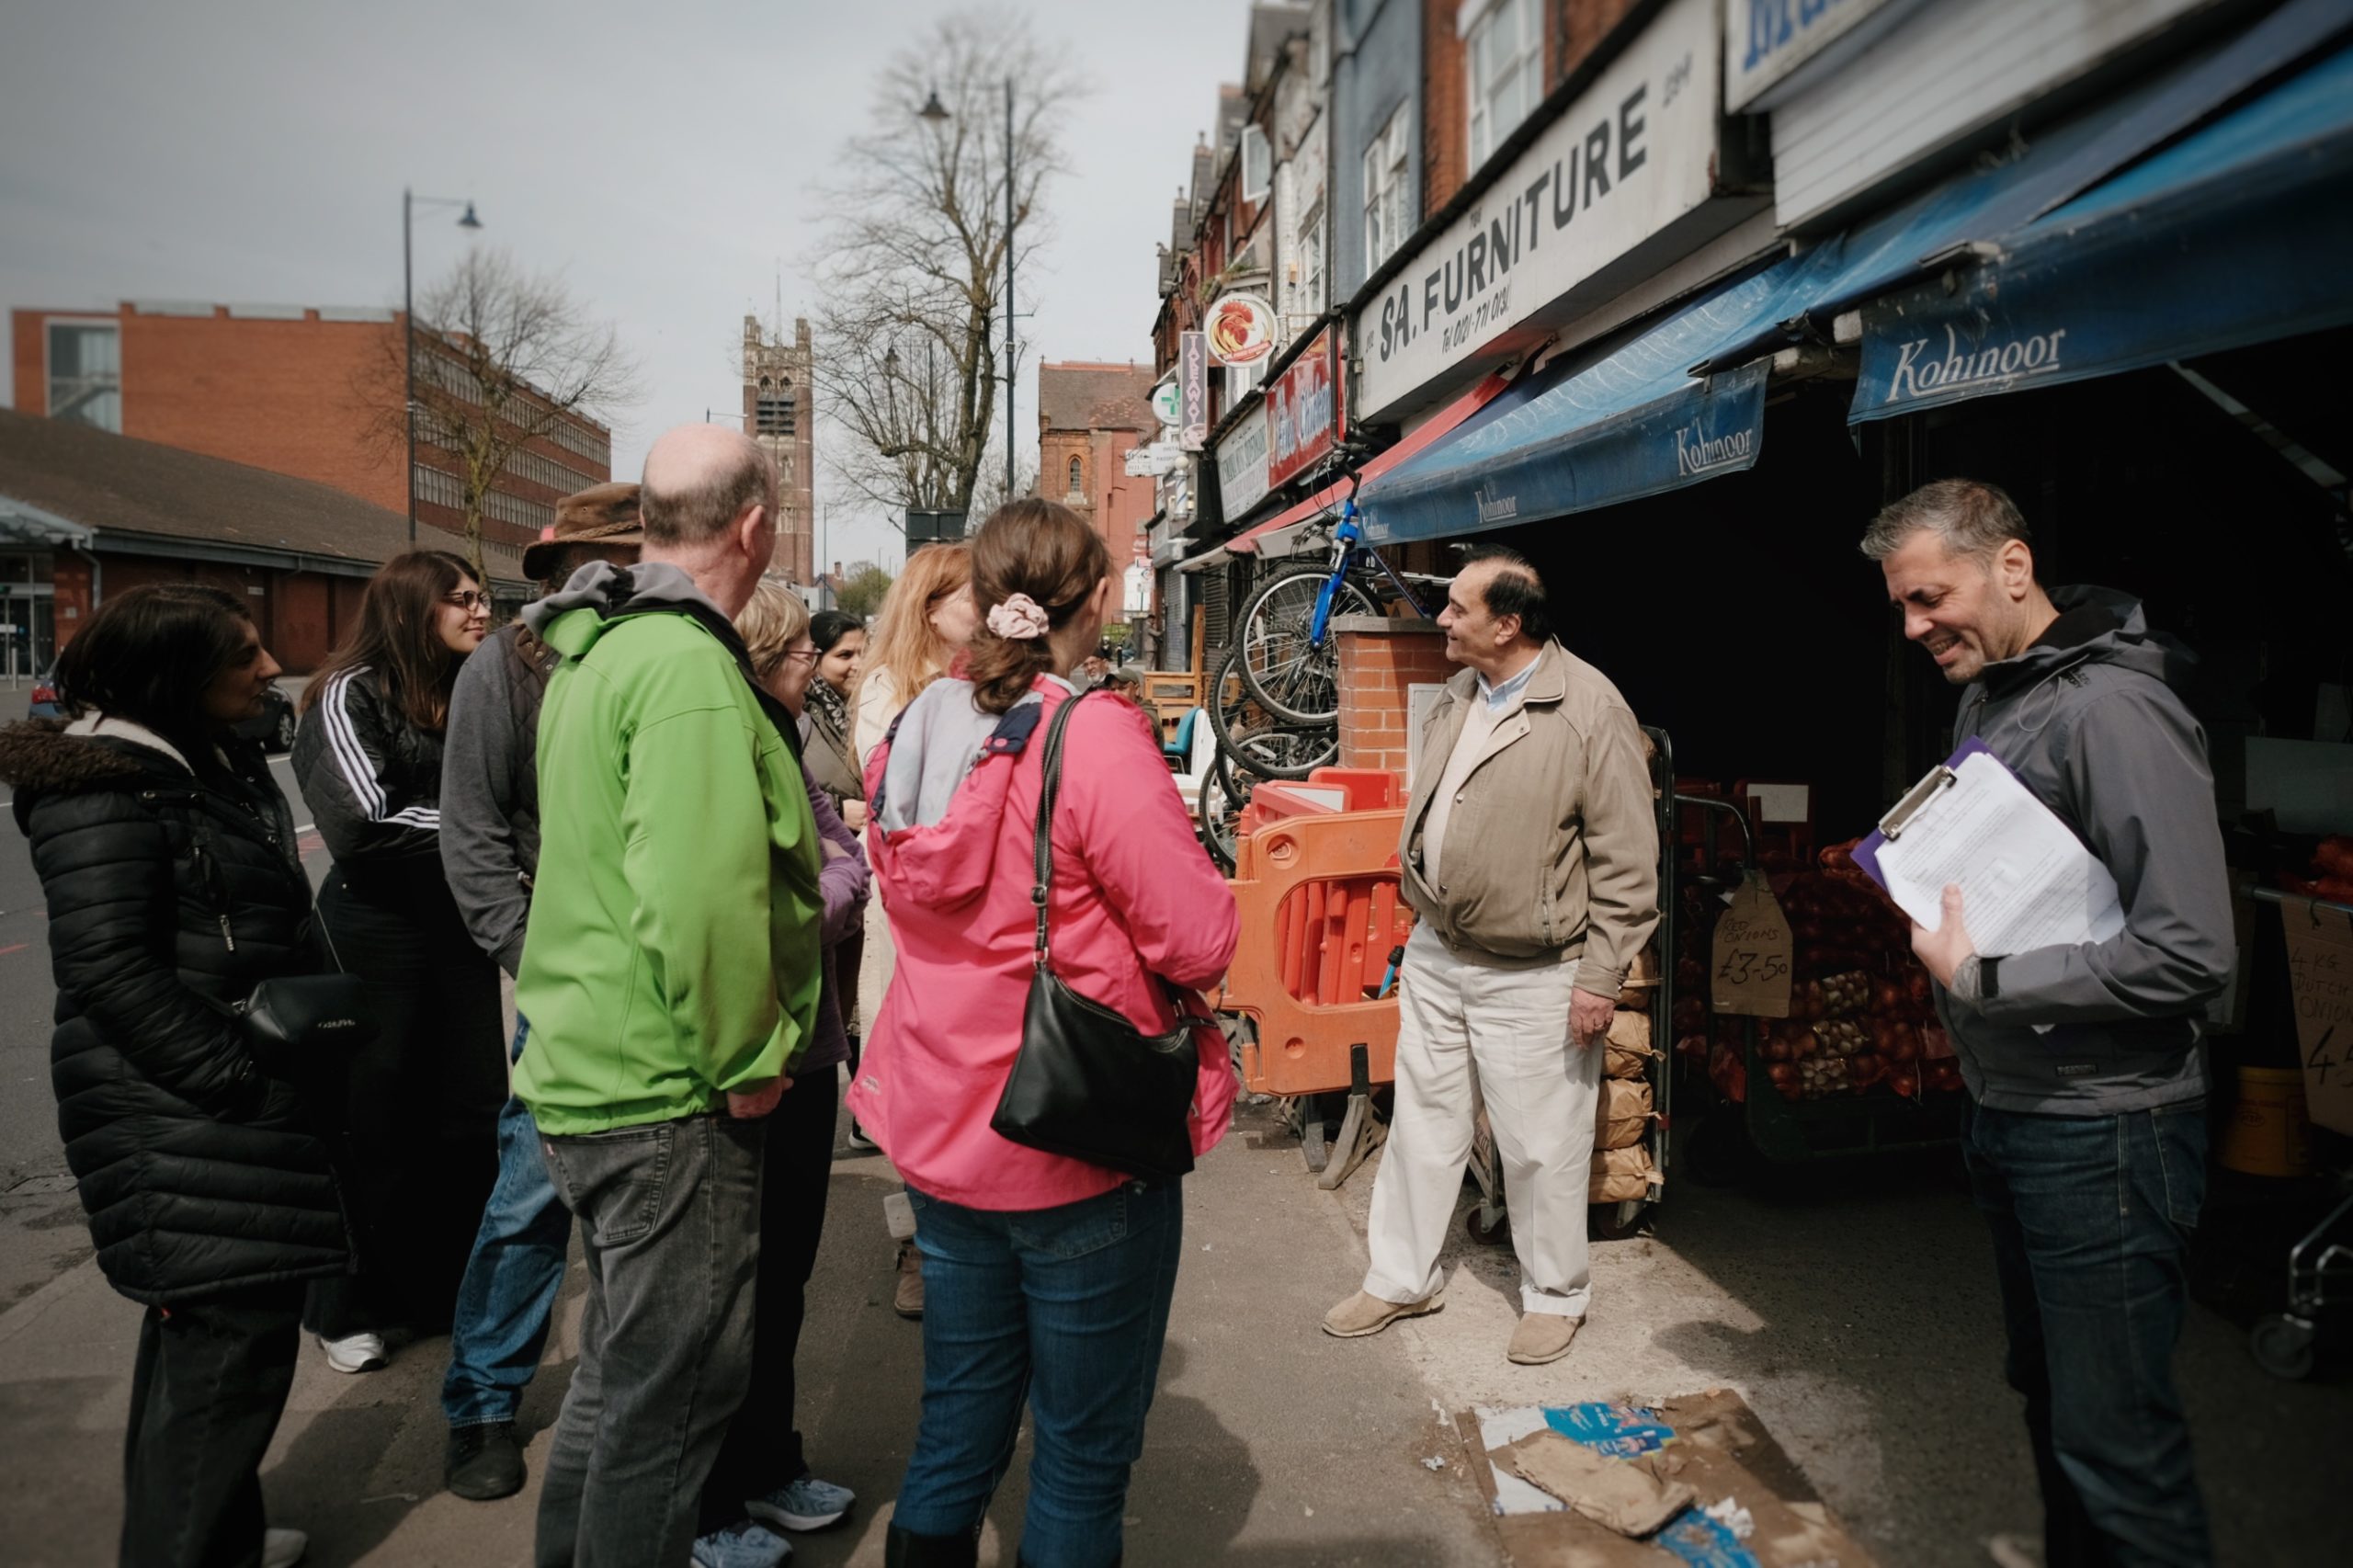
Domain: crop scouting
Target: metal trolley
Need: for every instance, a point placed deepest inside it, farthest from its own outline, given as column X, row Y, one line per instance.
column 2283, row 1342
column 1488, row 1222
column 1729, row 1133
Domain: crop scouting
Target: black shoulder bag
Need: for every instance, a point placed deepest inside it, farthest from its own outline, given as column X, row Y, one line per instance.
column 1087, row 1083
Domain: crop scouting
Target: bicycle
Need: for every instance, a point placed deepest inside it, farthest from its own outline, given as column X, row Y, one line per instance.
column 1290, row 658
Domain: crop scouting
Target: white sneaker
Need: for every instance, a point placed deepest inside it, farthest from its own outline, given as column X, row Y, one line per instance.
column 283, row 1549
column 360, row 1352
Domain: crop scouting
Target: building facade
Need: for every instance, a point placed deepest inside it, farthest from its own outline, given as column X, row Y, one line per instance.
column 1089, row 416
column 296, row 390
column 85, row 514
column 780, row 413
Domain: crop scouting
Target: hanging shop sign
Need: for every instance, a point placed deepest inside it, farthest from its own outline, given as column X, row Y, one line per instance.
column 1241, row 329
column 1302, row 411
column 1637, row 174
column 1765, row 41
column 1192, row 390
column 1168, row 403
column 1242, row 465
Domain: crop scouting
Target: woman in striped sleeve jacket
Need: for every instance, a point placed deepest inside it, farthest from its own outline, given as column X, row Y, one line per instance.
column 422, row 1148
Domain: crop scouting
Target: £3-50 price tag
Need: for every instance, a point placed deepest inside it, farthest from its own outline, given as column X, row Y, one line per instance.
column 1753, row 951
column 2320, row 978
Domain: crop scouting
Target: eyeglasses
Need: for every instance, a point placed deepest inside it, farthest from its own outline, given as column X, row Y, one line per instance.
column 806, row 655
column 471, row 598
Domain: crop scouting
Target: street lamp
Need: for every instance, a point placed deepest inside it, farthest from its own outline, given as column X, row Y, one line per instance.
column 936, row 112
column 408, row 322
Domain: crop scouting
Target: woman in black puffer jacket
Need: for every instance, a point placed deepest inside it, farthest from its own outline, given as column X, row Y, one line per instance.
column 168, row 862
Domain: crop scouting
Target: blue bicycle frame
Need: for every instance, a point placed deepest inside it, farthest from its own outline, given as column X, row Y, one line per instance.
column 1350, row 551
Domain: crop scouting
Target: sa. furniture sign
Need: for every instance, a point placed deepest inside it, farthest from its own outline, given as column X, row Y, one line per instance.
column 1302, row 412
column 1627, row 180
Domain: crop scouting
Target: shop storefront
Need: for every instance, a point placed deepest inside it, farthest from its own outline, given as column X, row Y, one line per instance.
column 2135, row 326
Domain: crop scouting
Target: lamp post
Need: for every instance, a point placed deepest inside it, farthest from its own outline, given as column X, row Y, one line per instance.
column 936, row 111
column 409, row 201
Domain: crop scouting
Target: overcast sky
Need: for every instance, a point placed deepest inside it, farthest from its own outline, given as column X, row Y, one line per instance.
column 660, row 158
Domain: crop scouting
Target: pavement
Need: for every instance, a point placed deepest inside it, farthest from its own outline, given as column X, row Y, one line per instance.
column 1856, row 1315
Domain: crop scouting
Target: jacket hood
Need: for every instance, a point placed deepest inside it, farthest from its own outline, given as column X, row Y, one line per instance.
column 609, row 592
column 945, row 774
column 2095, row 626
column 50, row 757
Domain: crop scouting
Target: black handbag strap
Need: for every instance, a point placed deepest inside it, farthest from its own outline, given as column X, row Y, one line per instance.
column 1050, row 785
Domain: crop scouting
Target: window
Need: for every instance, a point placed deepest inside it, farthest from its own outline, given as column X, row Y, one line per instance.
column 86, row 373
column 1075, row 489
column 1309, row 300
column 1385, row 224
column 1505, row 61
column 1257, row 163
column 772, row 414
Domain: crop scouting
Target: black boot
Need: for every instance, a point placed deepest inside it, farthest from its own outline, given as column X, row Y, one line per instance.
column 904, row 1549
column 484, row 1462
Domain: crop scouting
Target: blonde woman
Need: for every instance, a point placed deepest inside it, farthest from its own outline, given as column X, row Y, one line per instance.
column 926, row 619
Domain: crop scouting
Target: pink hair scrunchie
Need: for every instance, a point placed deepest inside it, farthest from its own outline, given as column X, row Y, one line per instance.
column 1018, row 619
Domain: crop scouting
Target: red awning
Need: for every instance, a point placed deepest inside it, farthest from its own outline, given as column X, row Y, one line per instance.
column 1426, row 434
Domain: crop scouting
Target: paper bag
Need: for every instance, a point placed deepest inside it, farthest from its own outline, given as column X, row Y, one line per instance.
column 2320, row 977
column 1751, row 971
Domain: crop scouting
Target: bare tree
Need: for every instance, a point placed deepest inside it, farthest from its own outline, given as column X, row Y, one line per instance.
column 502, row 357
column 911, row 274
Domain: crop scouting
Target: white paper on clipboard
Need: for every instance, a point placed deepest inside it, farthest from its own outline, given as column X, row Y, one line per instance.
column 2026, row 880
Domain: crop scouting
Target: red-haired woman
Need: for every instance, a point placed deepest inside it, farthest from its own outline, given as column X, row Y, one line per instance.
column 425, row 1095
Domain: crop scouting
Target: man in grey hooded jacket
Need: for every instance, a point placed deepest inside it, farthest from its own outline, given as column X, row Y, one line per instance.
column 2087, row 1146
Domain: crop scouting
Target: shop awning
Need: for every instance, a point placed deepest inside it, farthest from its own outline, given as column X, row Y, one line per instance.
column 1593, row 430
column 2236, row 235
column 1971, row 213
column 1274, row 535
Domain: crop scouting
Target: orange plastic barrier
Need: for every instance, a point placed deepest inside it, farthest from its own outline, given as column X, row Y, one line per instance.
column 1317, row 890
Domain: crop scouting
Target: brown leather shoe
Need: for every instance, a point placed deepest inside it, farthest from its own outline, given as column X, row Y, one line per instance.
column 1361, row 1314
column 1542, row 1337
column 907, row 1298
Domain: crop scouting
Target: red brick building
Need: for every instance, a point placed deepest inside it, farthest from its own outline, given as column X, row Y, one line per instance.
column 295, row 389
column 84, row 515
column 1089, row 413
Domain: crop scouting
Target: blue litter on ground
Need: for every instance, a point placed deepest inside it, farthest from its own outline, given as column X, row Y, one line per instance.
column 1703, row 1540
column 1625, row 1430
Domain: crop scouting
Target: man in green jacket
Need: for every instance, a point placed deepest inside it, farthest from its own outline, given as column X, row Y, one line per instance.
column 670, row 972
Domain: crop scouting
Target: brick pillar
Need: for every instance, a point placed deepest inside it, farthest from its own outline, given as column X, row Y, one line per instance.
column 1382, row 659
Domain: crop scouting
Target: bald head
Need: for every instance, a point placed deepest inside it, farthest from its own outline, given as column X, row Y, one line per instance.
column 700, row 480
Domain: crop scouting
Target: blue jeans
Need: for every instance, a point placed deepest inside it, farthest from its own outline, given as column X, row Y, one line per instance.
column 508, row 1295
column 2091, row 1216
column 1065, row 1308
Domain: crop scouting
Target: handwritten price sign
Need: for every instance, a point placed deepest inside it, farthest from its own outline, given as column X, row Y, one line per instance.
column 1752, row 954
column 2320, row 977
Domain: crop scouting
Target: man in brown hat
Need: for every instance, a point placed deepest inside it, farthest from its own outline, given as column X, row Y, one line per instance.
column 490, row 850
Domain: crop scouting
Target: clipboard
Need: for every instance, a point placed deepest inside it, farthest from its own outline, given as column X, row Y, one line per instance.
column 1891, row 826
column 2029, row 881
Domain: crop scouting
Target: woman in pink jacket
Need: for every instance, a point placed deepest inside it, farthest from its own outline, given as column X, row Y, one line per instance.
column 1045, row 1276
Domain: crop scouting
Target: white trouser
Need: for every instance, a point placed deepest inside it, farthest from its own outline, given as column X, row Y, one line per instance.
column 1468, row 1032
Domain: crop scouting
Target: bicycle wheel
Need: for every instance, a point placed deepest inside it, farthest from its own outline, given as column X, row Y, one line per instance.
column 1220, row 809
column 1297, row 678
column 1253, row 742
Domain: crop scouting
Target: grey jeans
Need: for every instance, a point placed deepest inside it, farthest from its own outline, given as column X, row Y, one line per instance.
column 670, row 1220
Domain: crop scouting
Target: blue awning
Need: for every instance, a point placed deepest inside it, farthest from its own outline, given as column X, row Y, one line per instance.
column 2239, row 234
column 1972, row 211
column 1591, row 431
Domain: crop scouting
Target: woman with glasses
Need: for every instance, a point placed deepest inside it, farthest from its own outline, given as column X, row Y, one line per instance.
column 829, row 756
column 425, row 1095
column 761, row 1483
